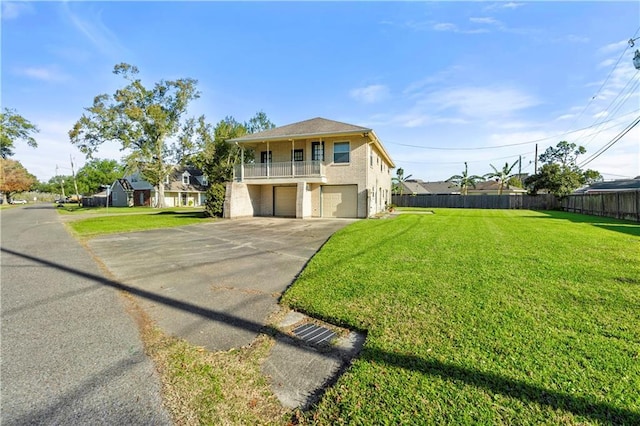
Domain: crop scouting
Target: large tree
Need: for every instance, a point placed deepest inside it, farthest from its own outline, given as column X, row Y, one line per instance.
column 14, row 178
column 147, row 122
column 96, row 173
column 14, row 127
column 502, row 175
column 217, row 158
column 559, row 174
column 464, row 180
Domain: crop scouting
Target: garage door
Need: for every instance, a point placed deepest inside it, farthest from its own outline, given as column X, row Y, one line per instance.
column 284, row 201
column 340, row 201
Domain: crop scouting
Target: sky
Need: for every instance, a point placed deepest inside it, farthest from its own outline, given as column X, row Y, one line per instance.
column 440, row 83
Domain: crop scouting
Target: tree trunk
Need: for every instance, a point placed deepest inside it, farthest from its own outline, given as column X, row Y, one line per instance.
column 160, row 194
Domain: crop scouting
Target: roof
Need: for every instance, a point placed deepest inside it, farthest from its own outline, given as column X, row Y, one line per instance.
column 418, row 187
column 494, row 185
column 613, row 185
column 175, row 179
column 315, row 127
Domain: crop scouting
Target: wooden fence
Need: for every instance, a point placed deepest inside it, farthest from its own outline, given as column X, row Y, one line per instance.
column 620, row 205
column 529, row 202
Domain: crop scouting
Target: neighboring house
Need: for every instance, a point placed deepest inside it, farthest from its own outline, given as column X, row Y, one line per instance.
column 184, row 187
column 492, row 187
column 419, row 187
column 314, row 168
column 611, row 186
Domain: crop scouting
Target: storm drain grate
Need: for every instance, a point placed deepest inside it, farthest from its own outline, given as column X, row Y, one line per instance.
column 314, row 334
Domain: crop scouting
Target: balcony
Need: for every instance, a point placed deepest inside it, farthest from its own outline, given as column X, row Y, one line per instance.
column 281, row 172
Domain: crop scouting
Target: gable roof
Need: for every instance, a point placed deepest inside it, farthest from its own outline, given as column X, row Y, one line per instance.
column 176, row 183
column 309, row 128
column 315, row 127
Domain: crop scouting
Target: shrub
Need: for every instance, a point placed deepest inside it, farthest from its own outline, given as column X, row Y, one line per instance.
column 214, row 202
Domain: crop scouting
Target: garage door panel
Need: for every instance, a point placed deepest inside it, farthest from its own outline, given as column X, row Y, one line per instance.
column 340, row 201
column 284, row 201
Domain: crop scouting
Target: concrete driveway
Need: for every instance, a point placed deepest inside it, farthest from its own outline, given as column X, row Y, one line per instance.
column 214, row 284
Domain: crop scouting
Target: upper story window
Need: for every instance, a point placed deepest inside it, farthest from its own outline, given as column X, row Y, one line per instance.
column 166, row 180
column 341, row 152
column 298, row 155
column 185, row 179
column 265, row 157
column 317, row 151
column 205, row 181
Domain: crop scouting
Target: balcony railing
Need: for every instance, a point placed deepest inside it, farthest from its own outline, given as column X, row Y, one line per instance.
column 288, row 169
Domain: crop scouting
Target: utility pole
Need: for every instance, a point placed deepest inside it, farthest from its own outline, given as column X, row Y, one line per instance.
column 75, row 184
column 61, row 183
column 520, row 167
column 535, row 167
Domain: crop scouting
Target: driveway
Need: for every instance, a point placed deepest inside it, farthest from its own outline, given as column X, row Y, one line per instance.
column 214, row 284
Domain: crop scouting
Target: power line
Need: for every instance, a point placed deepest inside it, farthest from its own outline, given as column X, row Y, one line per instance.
column 610, row 143
column 511, row 144
column 605, row 80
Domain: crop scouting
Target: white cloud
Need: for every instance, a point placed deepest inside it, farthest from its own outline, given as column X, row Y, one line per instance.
column 505, row 5
column 370, row 94
column 487, row 20
column 48, row 73
column 97, row 32
column 482, row 102
column 601, row 114
column 617, row 47
column 445, row 26
column 13, row 10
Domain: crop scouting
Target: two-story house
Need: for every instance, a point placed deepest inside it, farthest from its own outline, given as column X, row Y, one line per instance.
column 184, row 187
column 314, row 168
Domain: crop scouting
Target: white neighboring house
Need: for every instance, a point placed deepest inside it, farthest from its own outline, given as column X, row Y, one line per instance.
column 313, row 168
column 185, row 186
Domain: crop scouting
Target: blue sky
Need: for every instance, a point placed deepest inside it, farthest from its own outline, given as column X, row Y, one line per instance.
column 441, row 83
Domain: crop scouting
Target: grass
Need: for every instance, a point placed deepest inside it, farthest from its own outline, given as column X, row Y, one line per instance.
column 482, row 316
column 472, row 316
column 128, row 219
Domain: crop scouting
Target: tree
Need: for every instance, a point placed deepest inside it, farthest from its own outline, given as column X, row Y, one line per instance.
column 143, row 121
column 398, row 180
column 560, row 175
column 464, row 180
column 14, row 127
column 96, row 173
column 14, row 178
column 217, row 158
column 502, row 176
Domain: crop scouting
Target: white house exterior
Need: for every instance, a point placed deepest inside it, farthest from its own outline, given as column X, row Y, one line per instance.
column 314, row 168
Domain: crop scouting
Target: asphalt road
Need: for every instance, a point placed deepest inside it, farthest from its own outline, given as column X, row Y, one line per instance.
column 69, row 351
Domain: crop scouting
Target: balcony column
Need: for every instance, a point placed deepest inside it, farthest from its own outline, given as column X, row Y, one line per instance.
column 242, row 164
column 268, row 161
column 293, row 167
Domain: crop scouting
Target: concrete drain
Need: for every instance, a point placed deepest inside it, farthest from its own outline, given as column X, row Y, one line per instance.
column 314, row 334
column 307, row 358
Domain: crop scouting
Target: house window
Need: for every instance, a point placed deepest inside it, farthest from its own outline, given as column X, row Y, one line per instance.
column 205, row 181
column 317, row 151
column 265, row 157
column 298, row 155
column 166, row 180
column 185, row 179
column 341, row 152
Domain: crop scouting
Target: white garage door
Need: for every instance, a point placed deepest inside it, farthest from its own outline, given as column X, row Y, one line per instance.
column 284, row 201
column 340, row 201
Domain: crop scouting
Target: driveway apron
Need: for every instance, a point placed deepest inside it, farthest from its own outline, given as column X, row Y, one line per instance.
column 216, row 284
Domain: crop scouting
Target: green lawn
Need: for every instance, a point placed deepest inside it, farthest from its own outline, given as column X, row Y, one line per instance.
column 482, row 317
column 141, row 219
